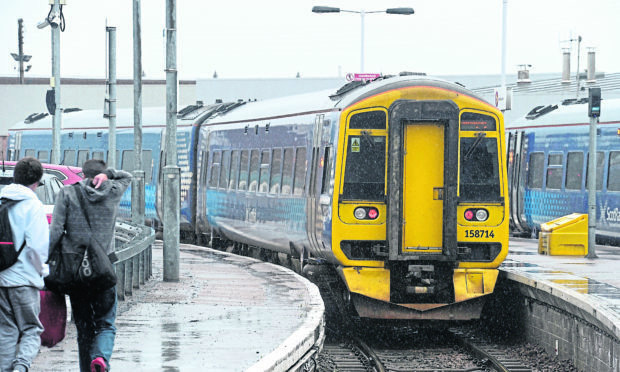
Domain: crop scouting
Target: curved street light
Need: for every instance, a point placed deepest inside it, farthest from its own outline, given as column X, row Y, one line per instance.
column 362, row 13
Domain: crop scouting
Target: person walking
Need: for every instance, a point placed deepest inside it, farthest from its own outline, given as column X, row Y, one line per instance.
column 20, row 328
column 94, row 312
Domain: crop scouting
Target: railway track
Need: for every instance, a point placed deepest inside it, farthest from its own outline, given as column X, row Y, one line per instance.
column 448, row 350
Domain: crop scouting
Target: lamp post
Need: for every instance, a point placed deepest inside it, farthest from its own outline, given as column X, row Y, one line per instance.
column 362, row 13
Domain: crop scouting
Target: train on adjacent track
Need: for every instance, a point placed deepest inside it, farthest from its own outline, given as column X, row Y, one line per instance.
column 548, row 152
column 390, row 194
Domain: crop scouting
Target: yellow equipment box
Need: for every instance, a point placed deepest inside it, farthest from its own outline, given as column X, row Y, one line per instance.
column 565, row 236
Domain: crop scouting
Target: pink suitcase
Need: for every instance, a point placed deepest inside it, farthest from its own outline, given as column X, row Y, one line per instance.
column 53, row 316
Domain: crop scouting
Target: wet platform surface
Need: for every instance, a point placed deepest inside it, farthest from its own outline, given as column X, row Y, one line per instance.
column 227, row 313
column 593, row 282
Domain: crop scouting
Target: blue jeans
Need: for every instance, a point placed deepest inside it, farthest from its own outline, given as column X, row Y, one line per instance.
column 94, row 315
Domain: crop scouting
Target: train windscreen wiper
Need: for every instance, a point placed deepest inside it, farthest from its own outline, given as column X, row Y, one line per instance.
column 368, row 138
column 479, row 137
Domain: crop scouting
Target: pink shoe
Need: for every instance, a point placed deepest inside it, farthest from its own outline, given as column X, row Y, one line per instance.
column 98, row 365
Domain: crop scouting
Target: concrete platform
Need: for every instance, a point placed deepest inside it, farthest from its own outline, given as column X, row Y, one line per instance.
column 227, row 313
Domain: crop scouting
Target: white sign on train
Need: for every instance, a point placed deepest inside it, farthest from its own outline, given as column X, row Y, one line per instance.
column 362, row 77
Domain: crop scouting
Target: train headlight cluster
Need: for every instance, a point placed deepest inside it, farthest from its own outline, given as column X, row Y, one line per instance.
column 476, row 215
column 366, row 213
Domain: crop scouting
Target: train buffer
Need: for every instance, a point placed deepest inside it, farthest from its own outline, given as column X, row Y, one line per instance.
column 565, row 236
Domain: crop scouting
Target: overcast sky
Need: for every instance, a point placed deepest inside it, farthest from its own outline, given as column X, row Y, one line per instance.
column 279, row 38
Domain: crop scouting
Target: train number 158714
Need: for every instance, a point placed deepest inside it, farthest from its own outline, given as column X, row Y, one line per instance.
column 479, row 233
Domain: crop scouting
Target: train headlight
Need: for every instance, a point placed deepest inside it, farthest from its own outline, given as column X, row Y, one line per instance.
column 359, row 213
column 482, row 215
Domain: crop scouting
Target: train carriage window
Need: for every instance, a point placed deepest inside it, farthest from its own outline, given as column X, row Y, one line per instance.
column 253, row 185
column 301, row 166
column 69, row 157
column 364, row 175
column 99, row 155
column 600, row 160
column 12, row 155
column 613, row 174
column 118, row 159
column 479, row 175
column 215, row 168
column 535, row 171
column 43, row 156
column 368, row 120
column 234, row 170
column 128, row 162
column 275, row 177
column 574, row 170
column 30, row 153
column 287, row 171
column 554, row 171
column 224, row 170
column 83, row 156
column 264, row 171
column 203, row 168
column 243, row 171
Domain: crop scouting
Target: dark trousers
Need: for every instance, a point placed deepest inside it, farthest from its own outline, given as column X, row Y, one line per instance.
column 94, row 315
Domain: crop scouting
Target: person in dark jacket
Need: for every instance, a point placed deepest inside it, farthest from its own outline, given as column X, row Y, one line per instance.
column 94, row 312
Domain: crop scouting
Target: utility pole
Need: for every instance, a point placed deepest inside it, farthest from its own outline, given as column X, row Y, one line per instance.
column 55, row 84
column 594, row 111
column 172, row 172
column 20, row 56
column 137, row 187
column 111, row 32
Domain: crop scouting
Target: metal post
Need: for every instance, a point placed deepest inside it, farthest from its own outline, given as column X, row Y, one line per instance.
column 171, row 170
column 362, row 14
column 20, row 48
column 504, row 25
column 112, row 161
column 55, row 84
column 578, row 58
column 137, row 187
column 594, row 111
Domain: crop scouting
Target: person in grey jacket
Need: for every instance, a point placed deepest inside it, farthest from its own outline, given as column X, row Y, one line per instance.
column 20, row 328
column 94, row 312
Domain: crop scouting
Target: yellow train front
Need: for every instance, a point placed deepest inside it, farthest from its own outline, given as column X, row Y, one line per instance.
column 419, row 219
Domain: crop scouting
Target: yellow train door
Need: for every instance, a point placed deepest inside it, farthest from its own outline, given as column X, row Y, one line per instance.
column 423, row 180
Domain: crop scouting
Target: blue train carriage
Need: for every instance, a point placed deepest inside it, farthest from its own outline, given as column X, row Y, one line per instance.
column 548, row 151
column 85, row 135
column 391, row 194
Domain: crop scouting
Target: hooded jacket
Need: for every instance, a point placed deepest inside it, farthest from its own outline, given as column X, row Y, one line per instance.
column 29, row 223
column 101, row 205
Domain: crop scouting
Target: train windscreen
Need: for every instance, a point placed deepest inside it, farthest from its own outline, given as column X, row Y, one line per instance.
column 479, row 177
column 364, row 176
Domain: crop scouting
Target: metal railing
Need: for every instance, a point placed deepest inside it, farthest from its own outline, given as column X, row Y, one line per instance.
column 135, row 261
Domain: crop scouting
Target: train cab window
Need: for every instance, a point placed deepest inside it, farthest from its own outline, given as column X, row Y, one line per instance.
column 243, row 170
column 287, row 171
column 301, row 166
column 30, row 153
column 253, row 185
column 613, row 174
column 479, row 175
column 600, row 160
column 554, row 171
column 43, row 156
column 364, row 175
column 368, row 120
column 326, row 162
column 215, row 168
column 574, row 170
column 69, row 157
column 83, row 156
column 535, row 171
column 234, row 170
column 275, row 177
column 264, row 172
column 224, row 170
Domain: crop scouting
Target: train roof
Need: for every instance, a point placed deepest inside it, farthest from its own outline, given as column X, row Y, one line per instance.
column 315, row 102
column 567, row 113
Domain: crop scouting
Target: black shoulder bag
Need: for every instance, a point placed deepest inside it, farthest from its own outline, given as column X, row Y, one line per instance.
column 96, row 271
